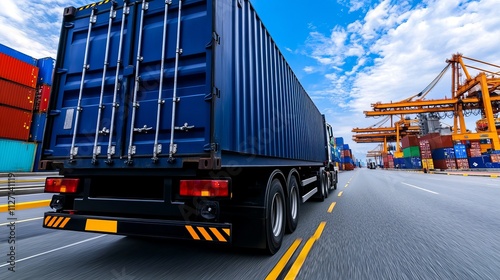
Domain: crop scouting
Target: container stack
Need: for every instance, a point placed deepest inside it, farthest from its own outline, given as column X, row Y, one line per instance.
column 347, row 158
column 19, row 94
column 426, row 152
column 339, row 146
column 443, row 152
column 461, row 156
column 411, row 152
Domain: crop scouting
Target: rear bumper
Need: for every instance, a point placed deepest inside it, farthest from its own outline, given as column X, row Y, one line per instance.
column 212, row 232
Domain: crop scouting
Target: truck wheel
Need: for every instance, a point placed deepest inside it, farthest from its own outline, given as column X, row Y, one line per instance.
column 293, row 205
column 326, row 183
column 334, row 183
column 321, row 186
column 275, row 216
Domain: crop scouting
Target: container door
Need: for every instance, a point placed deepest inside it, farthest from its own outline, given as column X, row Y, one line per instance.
column 133, row 84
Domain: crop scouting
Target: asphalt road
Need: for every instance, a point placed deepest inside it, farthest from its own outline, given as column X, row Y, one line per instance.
column 384, row 225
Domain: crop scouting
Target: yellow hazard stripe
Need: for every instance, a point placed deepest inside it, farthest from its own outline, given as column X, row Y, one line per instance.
column 193, row 233
column 218, row 235
column 66, row 220
column 205, row 233
column 93, row 5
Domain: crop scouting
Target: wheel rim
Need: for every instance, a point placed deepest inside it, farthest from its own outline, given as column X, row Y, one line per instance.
column 277, row 214
column 294, row 203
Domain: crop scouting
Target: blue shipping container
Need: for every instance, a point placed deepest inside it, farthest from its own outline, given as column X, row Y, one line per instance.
column 412, row 163
column 45, row 70
column 16, row 156
column 38, row 127
column 17, row 55
column 339, row 141
column 460, row 151
column 233, row 96
column 480, row 162
column 443, row 153
column 399, row 163
column 346, row 147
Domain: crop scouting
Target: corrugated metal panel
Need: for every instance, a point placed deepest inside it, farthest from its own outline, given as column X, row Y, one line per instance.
column 45, row 70
column 18, row 71
column 443, row 153
column 231, row 75
column 412, row 151
column 38, row 127
column 17, row 156
column 480, row 162
column 14, row 123
column 17, row 55
column 408, row 141
column 16, row 95
column 460, row 151
column 42, row 98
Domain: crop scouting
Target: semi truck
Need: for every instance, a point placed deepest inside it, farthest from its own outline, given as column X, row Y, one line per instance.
column 180, row 119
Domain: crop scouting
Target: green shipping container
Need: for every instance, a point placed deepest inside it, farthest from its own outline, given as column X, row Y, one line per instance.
column 16, row 156
column 413, row 151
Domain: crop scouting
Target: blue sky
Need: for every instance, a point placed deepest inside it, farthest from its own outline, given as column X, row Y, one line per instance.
column 347, row 54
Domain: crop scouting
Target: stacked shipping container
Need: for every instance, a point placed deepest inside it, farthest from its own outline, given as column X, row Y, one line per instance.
column 411, row 152
column 24, row 83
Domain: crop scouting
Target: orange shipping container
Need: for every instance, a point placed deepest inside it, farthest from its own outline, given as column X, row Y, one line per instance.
column 18, row 71
column 16, row 95
column 15, row 123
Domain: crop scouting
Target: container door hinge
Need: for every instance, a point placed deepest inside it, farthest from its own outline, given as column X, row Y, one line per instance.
column 211, row 147
column 54, row 112
column 215, row 93
column 216, row 37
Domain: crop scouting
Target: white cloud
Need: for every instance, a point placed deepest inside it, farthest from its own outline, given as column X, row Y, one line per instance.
column 398, row 50
column 32, row 27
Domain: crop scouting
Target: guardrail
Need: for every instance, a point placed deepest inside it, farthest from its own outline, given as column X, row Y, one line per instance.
column 24, row 183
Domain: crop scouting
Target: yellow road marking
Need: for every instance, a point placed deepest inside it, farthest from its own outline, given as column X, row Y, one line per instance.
column 340, row 194
column 330, row 209
column 465, row 174
column 25, row 205
column 284, row 260
column 494, row 176
column 297, row 265
column 346, row 185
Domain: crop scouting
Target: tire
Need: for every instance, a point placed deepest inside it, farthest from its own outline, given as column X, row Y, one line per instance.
column 326, row 183
column 321, row 186
column 293, row 205
column 335, row 183
column 275, row 216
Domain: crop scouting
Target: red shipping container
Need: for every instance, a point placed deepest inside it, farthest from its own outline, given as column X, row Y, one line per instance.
column 462, row 163
column 475, row 144
column 43, row 97
column 409, row 141
column 18, row 71
column 15, row 123
column 429, row 136
column 474, row 152
column 495, row 158
column 441, row 141
column 16, row 95
column 445, row 164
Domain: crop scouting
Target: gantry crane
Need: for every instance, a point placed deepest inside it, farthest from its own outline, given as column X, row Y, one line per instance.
column 386, row 134
column 479, row 93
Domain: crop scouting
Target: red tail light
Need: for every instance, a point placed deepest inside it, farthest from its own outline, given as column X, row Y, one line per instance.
column 204, row 188
column 61, row 185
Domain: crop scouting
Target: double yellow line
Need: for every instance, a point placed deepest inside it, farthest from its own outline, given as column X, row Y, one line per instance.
column 299, row 261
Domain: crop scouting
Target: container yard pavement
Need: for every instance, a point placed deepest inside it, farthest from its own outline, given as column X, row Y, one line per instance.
column 491, row 174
